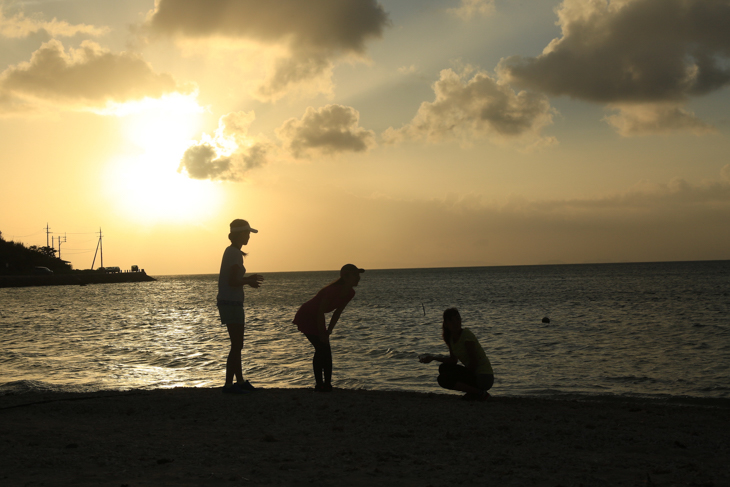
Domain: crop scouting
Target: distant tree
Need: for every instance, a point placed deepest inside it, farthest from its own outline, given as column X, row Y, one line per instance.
column 47, row 251
column 16, row 258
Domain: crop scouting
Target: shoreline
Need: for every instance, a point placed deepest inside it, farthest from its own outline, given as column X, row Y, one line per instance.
column 74, row 279
column 16, row 390
column 199, row 436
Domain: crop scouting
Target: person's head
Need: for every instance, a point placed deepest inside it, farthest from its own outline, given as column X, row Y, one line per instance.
column 350, row 275
column 452, row 322
column 240, row 232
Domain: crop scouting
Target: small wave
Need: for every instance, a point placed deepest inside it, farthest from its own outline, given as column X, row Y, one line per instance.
column 31, row 386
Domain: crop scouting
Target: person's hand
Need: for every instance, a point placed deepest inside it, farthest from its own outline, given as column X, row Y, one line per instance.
column 255, row 280
column 425, row 359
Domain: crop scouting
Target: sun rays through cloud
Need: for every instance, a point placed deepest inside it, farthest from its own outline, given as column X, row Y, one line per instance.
column 146, row 185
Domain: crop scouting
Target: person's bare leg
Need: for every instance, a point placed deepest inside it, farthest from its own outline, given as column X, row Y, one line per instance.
column 233, row 364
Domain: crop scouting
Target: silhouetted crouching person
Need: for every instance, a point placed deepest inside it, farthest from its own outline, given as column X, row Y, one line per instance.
column 310, row 320
column 476, row 376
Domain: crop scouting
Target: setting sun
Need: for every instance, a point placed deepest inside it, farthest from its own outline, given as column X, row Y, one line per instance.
column 145, row 184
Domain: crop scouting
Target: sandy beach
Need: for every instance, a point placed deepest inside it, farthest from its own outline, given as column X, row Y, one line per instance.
column 190, row 436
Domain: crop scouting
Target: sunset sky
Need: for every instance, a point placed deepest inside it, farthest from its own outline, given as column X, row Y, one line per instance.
column 389, row 134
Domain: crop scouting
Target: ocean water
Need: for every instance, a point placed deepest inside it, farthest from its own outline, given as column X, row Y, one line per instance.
column 652, row 329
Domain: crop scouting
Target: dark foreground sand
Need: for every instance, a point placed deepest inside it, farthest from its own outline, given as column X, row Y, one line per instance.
column 357, row 438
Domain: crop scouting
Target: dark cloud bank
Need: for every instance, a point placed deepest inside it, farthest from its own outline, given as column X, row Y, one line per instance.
column 316, row 32
column 643, row 57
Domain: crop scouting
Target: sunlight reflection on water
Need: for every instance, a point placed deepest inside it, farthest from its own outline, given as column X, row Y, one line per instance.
column 659, row 329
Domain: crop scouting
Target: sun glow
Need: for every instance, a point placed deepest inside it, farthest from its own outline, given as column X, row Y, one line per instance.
column 146, row 185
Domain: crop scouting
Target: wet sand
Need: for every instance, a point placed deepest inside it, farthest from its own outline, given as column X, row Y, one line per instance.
column 186, row 437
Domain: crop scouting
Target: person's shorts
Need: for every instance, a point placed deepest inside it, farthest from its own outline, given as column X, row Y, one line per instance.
column 231, row 314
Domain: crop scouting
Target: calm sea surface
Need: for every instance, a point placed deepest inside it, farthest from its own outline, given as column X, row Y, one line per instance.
column 656, row 329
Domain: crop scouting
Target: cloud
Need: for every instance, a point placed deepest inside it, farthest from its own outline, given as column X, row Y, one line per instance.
column 314, row 33
column 20, row 26
column 408, row 69
column 319, row 24
column 86, row 78
column 329, row 130
column 725, row 173
column 480, row 107
column 632, row 52
column 468, row 9
column 677, row 220
column 312, row 71
column 654, row 119
column 230, row 153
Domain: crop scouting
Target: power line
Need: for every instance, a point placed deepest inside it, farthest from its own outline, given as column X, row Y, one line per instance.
column 73, row 251
column 29, row 235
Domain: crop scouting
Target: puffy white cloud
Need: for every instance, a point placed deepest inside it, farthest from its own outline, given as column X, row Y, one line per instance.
column 230, row 153
column 480, row 107
column 469, row 9
column 19, row 26
column 633, row 52
column 329, row 130
column 85, row 78
column 314, row 33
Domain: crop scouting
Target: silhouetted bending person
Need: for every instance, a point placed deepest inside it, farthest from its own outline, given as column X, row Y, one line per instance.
column 310, row 320
column 230, row 302
column 476, row 376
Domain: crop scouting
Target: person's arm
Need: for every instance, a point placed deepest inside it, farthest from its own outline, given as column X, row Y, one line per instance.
column 471, row 350
column 446, row 359
column 451, row 359
column 236, row 278
column 254, row 280
column 321, row 325
column 334, row 319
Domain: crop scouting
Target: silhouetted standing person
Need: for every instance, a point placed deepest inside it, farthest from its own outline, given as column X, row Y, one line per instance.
column 310, row 320
column 476, row 376
column 230, row 302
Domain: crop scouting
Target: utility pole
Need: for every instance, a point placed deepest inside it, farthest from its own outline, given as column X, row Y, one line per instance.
column 98, row 248
column 48, row 232
column 59, row 244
